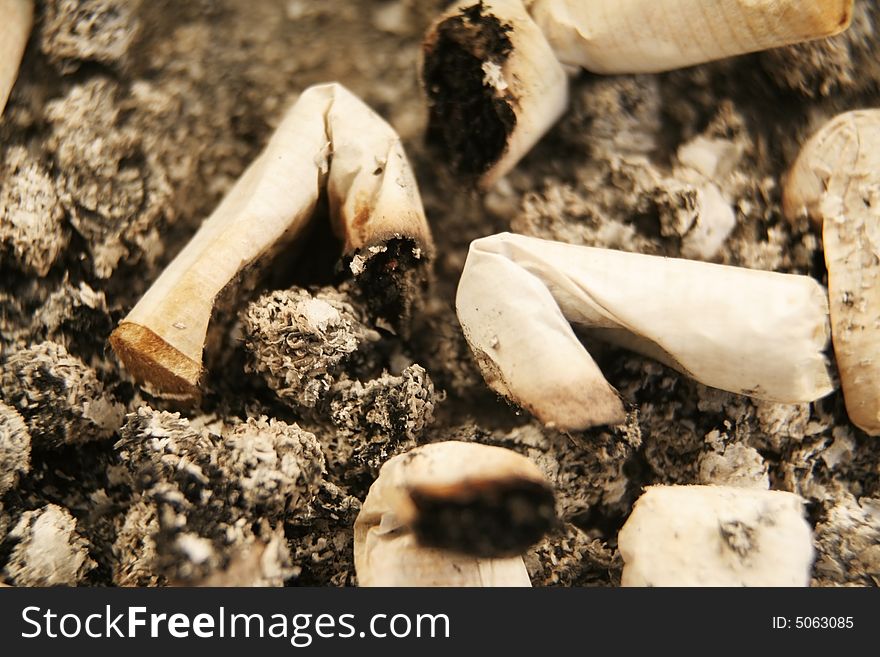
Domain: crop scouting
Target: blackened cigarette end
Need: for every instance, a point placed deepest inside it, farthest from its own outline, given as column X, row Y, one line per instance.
column 484, row 518
column 393, row 281
column 470, row 121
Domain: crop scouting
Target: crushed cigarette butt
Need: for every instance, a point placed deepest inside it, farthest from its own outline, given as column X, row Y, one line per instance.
column 60, row 397
column 269, row 206
column 836, row 181
column 757, row 333
column 452, row 514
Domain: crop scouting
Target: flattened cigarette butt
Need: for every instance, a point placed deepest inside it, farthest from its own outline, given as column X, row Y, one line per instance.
column 16, row 20
column 836, row 181
column 328, row 139
column 756, row 333
column 452, row 514
column 716, row 536
column 493, row 70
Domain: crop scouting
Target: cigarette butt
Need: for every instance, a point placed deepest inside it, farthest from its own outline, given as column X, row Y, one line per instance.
column 836, row 181
column 373, row 201
column 452, row 514
column 494, row 71
column 649, row 36
column 756, row 333
column 494, row 86
column 16, row 20
column 716, row 536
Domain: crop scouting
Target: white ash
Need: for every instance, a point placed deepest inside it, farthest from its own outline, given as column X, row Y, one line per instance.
column 256, row 564
column 848, row 543
column 301, row 343
column 781, row 424
column 196, row 549
column 32, row 229
column 840, row 451
column 280, row 466
column 89, row 30
column 48, row 550
column 830, row 462
column 241, row 558
column 382, row 417
column 716, row 536
column 60, row 397
column 15, row 448
column 570, row 557
column 493, row 76
column 735, row 465
column 623, row 198
column 615, row 122
column 706, row 163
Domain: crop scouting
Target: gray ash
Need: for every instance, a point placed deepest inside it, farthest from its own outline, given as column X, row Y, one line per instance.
column 204, row 501
column 302, row 342
column 60, row 397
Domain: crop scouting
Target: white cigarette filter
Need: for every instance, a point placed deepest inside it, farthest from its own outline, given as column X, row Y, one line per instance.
column 756, row 333
column 836, row 181
column 16, row 20
column 452, row 514
column 328, row 139
column 493, row 70
column 716, row 536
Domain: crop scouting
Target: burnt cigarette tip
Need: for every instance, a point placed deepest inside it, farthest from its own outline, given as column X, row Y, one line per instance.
column 484, row 518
